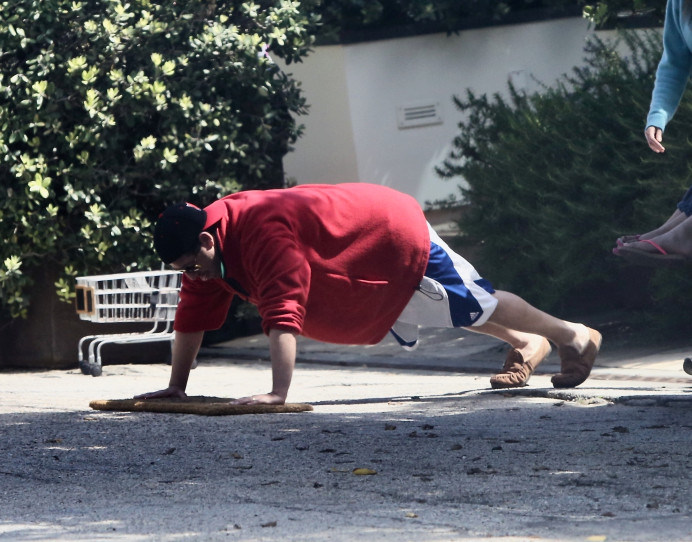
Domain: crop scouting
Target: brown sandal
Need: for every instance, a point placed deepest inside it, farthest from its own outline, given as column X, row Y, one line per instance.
column 576, row 367
column 516, row 371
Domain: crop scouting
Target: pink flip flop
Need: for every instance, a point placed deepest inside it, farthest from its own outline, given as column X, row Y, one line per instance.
column 642, row 257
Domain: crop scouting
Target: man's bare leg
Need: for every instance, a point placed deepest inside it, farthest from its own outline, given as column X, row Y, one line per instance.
column 524, row 342
column 513, row 313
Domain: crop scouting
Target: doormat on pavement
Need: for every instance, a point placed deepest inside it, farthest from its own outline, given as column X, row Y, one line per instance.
column 204, row 406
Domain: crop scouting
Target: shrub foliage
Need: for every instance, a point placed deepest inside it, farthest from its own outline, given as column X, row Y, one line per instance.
column 110, row 110
column 618, row 13
column 346, row 17
column 553, row 177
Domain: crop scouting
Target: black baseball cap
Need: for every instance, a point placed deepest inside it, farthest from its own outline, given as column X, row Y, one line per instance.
column 177, row 231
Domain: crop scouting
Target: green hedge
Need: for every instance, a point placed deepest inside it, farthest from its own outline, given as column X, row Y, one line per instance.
column 553, row 177
column 110, row 110
column 353, row 20
column 620, row 13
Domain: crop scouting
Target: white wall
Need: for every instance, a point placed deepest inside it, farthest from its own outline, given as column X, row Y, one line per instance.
column 326, row 152
column 351, row 129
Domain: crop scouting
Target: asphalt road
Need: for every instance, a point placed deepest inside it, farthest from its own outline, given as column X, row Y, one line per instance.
column 445, row 457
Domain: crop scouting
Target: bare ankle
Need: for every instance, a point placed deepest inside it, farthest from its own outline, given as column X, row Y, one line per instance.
column 528, row 344
column 580, row 337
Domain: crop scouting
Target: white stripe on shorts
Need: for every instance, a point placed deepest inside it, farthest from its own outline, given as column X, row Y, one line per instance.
column 471, row 304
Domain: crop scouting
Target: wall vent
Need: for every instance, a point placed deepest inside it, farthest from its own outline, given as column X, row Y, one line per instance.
column 418, row 114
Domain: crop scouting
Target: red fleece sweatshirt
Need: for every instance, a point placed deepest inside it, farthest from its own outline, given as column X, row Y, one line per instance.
column 336, row 263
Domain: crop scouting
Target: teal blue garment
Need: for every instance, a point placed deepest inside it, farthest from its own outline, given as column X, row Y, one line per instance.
column 675, row 65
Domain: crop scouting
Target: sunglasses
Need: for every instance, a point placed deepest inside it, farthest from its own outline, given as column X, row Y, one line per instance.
column 190, row 269
column 193, row 267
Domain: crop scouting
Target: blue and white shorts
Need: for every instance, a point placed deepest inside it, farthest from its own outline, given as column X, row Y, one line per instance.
column 451, row 294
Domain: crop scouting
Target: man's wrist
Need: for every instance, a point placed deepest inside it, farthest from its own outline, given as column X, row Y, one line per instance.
column 280, row 395
column 176, row 387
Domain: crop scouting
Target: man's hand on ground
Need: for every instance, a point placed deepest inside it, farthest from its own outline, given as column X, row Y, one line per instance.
column 171, row 391
column 261, row 399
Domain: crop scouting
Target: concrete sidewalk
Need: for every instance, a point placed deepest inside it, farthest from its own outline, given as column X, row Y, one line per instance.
column 449, row 458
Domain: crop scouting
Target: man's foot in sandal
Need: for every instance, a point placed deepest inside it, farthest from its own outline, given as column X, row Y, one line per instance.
column 575, row 366
column 516, row 371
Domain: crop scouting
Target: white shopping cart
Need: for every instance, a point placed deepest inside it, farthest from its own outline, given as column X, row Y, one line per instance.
column 146, row 296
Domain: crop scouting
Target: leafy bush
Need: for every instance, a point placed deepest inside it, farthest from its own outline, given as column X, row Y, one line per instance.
column 110, row 110
column 617, row 13
column 344, row 18
column 555, row 176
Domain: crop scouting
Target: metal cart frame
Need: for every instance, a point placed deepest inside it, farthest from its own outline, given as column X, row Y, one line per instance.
column 145, row 296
